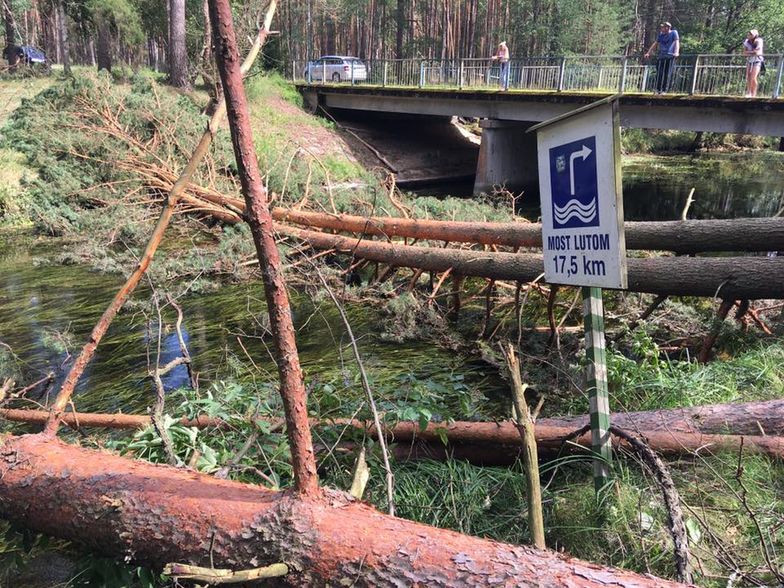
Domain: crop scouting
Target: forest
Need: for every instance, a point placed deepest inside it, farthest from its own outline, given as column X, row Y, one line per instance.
column 234, row 350
column 140, row 32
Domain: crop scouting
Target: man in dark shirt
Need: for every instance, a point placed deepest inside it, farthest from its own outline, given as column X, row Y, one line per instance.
column 669, row 44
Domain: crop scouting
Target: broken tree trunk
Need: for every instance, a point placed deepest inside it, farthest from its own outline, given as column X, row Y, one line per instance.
column 747, row 418
column 292, row 386
column 728, row 277
column 693, row 236
column 177, row 190
column 159, row 514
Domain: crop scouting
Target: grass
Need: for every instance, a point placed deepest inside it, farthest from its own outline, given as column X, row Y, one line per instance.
column 13, row 168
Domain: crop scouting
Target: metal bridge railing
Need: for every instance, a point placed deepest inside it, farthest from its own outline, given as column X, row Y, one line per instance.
column 718, row 75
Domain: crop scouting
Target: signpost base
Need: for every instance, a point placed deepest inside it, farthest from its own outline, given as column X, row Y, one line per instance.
column 598, row 394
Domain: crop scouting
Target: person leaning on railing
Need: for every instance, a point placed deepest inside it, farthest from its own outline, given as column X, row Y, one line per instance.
column 752, row 49
column 669, row 45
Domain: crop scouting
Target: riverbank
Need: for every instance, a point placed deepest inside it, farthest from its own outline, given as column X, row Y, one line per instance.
column 421, row 365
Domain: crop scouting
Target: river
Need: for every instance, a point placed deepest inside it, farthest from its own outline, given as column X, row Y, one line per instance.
column 44, row 305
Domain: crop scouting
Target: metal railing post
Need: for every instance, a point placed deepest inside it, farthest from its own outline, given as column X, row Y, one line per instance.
column 624, row 70
column 646, row 69
column 561, row 74
column 422, row 74
column 352, row 73
column 324, row 72
column 460, row 74
column 777, row 85
column 694, row 69
column 384, row 75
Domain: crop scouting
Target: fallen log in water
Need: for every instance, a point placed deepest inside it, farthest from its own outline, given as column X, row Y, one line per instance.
column 160, row 514
column 725, row 277
column 691, row 236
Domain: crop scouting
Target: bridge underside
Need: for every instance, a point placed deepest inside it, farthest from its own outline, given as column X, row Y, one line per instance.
column 755, row 116
column 507, row 156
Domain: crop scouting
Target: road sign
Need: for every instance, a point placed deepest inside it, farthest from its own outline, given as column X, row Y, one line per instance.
column 582, row 236
column 582, row 203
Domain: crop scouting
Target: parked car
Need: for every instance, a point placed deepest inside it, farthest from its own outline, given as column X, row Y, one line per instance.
column 337, row 68
column 32, row 56
column 27, row 55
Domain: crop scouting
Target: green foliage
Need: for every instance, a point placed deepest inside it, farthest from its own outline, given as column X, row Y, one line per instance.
column 242, row 408
column 122, row 15
column 646, row 379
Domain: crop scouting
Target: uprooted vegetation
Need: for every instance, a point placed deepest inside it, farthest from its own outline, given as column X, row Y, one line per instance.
column 105, row 155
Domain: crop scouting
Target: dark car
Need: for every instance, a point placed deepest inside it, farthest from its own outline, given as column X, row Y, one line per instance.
column 32, row 56
column 27, row 55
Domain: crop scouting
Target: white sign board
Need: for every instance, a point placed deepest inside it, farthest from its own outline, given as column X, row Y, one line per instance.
column 582, row 202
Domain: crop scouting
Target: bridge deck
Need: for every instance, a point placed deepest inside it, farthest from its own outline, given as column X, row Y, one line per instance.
column 725, row 114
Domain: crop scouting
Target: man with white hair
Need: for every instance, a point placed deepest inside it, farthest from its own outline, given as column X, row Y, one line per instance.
column 669, row 44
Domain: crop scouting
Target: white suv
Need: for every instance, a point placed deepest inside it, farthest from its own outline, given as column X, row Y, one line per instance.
column 336, row 68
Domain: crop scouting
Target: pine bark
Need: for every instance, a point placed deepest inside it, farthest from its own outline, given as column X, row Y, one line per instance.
column 178, row 53
column 292, row 387
column 104, row 43
column 159, row 514
column 62, row 37
column 736, row 278
column 9, row 51
column 692, row 236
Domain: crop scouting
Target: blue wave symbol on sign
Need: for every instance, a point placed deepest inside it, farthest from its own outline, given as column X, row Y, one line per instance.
column 575, row 209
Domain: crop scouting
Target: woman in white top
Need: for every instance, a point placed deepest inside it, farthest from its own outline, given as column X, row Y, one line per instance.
column 752, row 49
column 502, row 56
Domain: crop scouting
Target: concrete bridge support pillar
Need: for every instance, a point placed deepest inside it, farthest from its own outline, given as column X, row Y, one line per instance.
column 507, row 157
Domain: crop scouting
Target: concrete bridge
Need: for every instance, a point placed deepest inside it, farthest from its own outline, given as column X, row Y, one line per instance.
column 507, row 155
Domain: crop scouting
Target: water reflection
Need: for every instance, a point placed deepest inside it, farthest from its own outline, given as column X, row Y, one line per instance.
column 655, row 188
column 224, row 331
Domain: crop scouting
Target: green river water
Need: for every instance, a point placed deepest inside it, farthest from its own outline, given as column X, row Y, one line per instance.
column 39, row 300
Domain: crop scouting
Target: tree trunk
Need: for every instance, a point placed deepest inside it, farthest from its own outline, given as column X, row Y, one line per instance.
column 178, row 53
column 62, row 37
column 745, row 418
column 292, row 387
column 751, row 419
column 400, row 20
column 748, row 278
column 9, row 52
column 693, row 236
column 160, row 514
column 104, row 44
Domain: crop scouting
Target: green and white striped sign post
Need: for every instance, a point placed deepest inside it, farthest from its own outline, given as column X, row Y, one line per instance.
column 596, row 384
column 583, row 242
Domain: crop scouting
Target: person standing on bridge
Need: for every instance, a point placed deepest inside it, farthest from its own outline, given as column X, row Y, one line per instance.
column 669, row 44
column 752, row 49
column 502, row 56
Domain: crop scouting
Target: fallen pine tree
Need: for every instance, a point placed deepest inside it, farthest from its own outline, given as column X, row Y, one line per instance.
column 156, row 515
column 755, row 426
column 691, row 236
column 764, row 417
column 725, row 277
